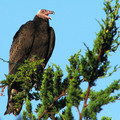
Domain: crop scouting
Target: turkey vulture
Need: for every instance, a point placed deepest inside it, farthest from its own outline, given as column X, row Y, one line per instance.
column 34, row 37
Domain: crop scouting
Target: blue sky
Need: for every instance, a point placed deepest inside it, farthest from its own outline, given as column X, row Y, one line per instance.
column 74, row 23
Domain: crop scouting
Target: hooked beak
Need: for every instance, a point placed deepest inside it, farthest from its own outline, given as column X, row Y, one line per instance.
column 50, row 12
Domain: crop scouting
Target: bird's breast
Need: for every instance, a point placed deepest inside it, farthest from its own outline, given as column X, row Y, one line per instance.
column 41, row 44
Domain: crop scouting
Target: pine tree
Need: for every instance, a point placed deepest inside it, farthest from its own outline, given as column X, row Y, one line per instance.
column 55, row 92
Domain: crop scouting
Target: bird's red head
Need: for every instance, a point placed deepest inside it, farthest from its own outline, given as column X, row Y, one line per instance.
column 44, row 14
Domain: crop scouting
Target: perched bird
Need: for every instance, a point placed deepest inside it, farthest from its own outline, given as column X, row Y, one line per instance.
column 34, row 37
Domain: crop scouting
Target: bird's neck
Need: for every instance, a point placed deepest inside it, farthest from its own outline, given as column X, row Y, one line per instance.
column 37, row 18
column 42, row 24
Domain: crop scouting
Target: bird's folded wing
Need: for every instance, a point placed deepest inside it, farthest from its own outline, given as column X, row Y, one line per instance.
column 22, row 44
column 52, row 43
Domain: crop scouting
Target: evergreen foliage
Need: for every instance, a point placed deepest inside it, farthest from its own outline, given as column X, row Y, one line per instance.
column 56, row 93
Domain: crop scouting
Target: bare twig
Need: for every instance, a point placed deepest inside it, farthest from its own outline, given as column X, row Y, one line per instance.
column 3, row 88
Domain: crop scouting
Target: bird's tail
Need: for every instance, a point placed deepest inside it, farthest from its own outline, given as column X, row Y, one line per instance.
column 11, row 103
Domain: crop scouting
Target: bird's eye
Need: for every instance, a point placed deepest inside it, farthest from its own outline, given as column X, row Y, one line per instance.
column 42, row 11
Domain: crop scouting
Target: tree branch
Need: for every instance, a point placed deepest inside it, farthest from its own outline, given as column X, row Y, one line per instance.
column 45, row 111
column 78, row 112
column 85, row 101
column 89, row 86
